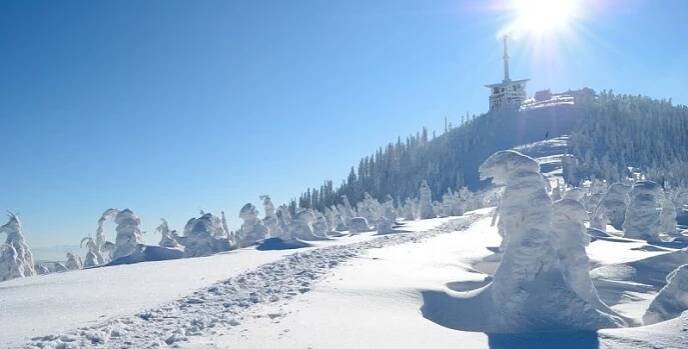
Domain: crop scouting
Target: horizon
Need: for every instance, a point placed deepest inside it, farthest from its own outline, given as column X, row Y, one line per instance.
column 171, row 111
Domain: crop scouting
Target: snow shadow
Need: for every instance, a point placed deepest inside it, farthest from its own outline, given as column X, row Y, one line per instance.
column 279, row 244
column 558, row 340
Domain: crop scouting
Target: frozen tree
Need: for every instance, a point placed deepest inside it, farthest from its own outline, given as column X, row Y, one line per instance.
column 668, row 217
column 346, row 211
column 16, row 259
column 129, row 235
column 199, row 235
column 109, row 214
column 369, row 208
column 302, row 225
column 270, row 220
column 425, row 209
column 284, row 220
column 358, row 225
column 410, row 209
column 671, row 300
column 93, row 256
column 333, row 219
column 529, row 286
column 642, row 213
column 41, row 269
column 614, row 203
column 320, row 225
column 167, row 238
column 73, row 262
column 453, row 204
column 252, row 230
column 231, row 236
column 570, row 240
column 388, row 210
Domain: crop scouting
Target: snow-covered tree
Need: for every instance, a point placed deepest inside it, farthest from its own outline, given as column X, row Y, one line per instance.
column 129, row 235
column 320, row 225
column 93, row 256
column 252, row 230
column 425, row 208
column 16, row 259
column 302, row 225
column 358, row 225
column 270, row 219
column 529, row 286
column 671, row 300
column 614, row 203
column 409, row 209
column 101, row 240
column 73, row 262
column 668, row 217
column 167, row 238
column 570, row 239
column 642, row 213
column 369, row 208
column 199, row 235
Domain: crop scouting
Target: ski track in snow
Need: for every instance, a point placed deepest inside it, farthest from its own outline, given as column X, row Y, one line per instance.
column 224, row 304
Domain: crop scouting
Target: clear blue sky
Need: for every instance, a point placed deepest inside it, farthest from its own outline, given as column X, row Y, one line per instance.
column 168, row 107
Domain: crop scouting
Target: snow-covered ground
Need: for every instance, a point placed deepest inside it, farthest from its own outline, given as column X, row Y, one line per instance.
column 375, row 301
column 363, row 291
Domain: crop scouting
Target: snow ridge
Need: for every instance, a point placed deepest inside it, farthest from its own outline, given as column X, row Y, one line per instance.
column 223, row 304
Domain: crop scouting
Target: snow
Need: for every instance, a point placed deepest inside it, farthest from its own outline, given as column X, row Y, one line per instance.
column 322, row 296
column 374, row 301
column 58, row 303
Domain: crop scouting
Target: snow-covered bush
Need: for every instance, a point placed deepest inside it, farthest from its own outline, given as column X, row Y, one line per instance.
column 642, row 213
column 252, row 230
column 531, row 287
column 671, row 300
column 199, row 235
column 425, row 207
column 16, row 259
column 129, row 235
column 614, row 203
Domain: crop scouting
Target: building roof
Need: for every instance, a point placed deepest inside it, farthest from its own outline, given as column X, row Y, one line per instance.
column 506, row 83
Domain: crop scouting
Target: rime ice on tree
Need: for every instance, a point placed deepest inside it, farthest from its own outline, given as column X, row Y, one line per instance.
column 93, row 256
column 530, row 290
column 199, row 235
column 614, row 203
column 252, row 230
column 166, row 236
column 270, row 221
column 129, row 235
column 425, row 209
column 642, row 214
column 73, row 262
column 668, row 217
column 16, row 259
column 671, row 300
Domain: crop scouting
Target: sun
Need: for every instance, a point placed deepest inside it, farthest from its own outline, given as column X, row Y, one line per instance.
column 542, row 17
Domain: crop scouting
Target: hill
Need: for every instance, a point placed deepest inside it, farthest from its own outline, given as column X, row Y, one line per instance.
column 606, row 137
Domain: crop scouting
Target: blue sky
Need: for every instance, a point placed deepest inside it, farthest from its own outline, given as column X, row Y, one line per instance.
column 168, row 107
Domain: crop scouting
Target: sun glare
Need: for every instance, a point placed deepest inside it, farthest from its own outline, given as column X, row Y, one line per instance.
column 542, row 17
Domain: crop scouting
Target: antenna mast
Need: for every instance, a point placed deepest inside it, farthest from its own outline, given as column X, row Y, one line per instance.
column 506, row 60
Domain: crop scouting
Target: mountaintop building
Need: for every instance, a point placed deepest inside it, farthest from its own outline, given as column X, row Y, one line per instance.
column 508, row 93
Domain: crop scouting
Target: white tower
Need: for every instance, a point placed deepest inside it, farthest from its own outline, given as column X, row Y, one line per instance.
column 508, row 93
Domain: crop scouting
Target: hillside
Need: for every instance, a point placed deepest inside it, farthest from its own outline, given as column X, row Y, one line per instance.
column 607, row 136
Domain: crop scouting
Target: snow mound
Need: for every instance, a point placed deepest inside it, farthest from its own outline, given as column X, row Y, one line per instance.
column 279, row 244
